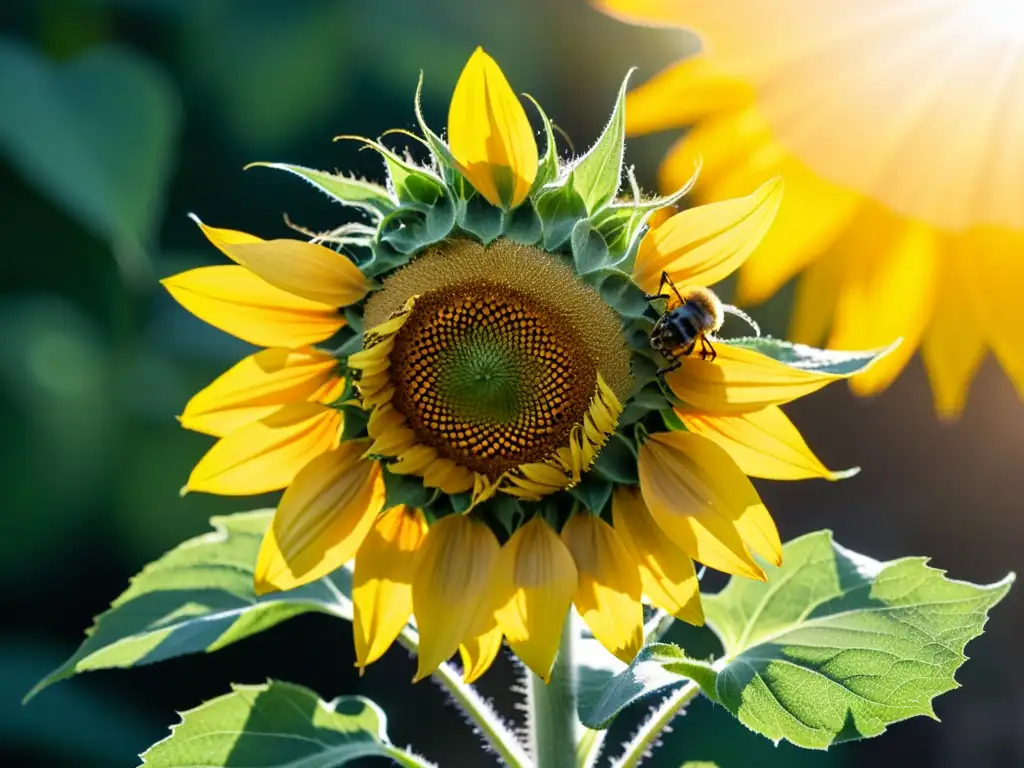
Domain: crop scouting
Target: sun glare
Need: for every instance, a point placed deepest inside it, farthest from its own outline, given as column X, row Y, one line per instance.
column 1001, row 18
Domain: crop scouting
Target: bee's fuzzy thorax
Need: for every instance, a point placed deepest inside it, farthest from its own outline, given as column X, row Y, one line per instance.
column 707, row 303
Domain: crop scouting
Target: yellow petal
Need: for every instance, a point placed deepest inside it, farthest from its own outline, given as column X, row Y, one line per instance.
column 705, row 504
column 322, row 519
column 453, row 574
column 608, row 588
column 814, row 302
column 952, row 349
column 763, row 443
column 741, row 380
column 695, row 87
column 304, row 269
column 236, row 301
column 887, row 291
column 382, row 581
column 480, row 650
column 259, row 385
column 489, row 133
column 703, row 245
column 994, row 254
column 266, row 454
column 666, row 572
column 534, row 581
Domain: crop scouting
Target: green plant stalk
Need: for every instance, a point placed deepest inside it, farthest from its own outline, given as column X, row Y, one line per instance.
column 651, row 729
column 501, row 739
column 555, row 729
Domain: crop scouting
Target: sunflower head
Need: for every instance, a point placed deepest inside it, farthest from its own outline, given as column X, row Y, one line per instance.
column 462, row 393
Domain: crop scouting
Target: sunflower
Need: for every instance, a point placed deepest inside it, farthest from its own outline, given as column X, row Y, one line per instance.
column 898, row 129
column 462, row 395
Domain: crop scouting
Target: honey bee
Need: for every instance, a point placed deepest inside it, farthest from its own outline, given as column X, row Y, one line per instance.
column 680, row 329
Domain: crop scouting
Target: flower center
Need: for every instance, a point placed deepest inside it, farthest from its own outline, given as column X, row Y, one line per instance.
column 490, row 377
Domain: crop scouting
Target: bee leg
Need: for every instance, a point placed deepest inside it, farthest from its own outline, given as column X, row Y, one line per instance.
column 676, row 362
column 665, row 279
column 707, row 351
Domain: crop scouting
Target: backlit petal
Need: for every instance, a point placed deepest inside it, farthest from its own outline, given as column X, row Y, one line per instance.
column 534, row 581
column 741, row 380
column 695, row 87
column 705, row 504
column 452, row 581
column 236, row 301
column 887, row 291
column 607, row 592
column 490, row 135
column 666, row 572
column 266, row 454
column 321, row 520
column 480, row 649
column 952, row 349
column 995, row 254
column 763, row 443
column 259, row 385
column 382, row 580
column 703, row 245
column 305, row 269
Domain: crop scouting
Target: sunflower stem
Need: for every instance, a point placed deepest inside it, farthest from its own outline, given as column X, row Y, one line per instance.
column 492, row 728
column 639, row 746
column 555, row 729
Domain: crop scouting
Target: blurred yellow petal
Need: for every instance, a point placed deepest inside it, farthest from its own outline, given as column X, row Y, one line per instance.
column 649, row 12
column 813, row 214
column 705, row 504
column 695, row 87
column 534, row 581
column 236, row 301
column 489, row 134
column 452, row 581
column 741, row 380
column 887, row 291
column 815, row 300
column 321, row 520
column 952, row 349
column 763, row 443
column 309, row 270
column 480, row 650
column 608, row 588
column 266, row 454
column 382, row 580
column 703, row 245
column 259, row 385
column 666, row 572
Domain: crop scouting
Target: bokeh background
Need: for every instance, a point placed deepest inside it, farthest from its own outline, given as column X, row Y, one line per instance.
column 117, row 118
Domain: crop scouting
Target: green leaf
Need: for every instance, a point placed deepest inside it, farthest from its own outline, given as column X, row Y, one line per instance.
column 699, row 764
column 559, row 210
column 409, row 229
column 198, row 597
column 547, row 168
column 838, row 362
column 619, row 291
column 834, row 646
column 413, row 186
column 480, row 218
column 589, row 250
column 277, row 725
column 355, row 192
column 442, row 154
column 523, row 224
column 599, row 172
column 659, row 667
column 593, row 492
column 96, row 135
column 405, row 489
column 617, row 461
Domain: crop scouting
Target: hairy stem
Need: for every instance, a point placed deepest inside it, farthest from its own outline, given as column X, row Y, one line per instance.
column 649, row 732
column 555, row 728
column 504, row 742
